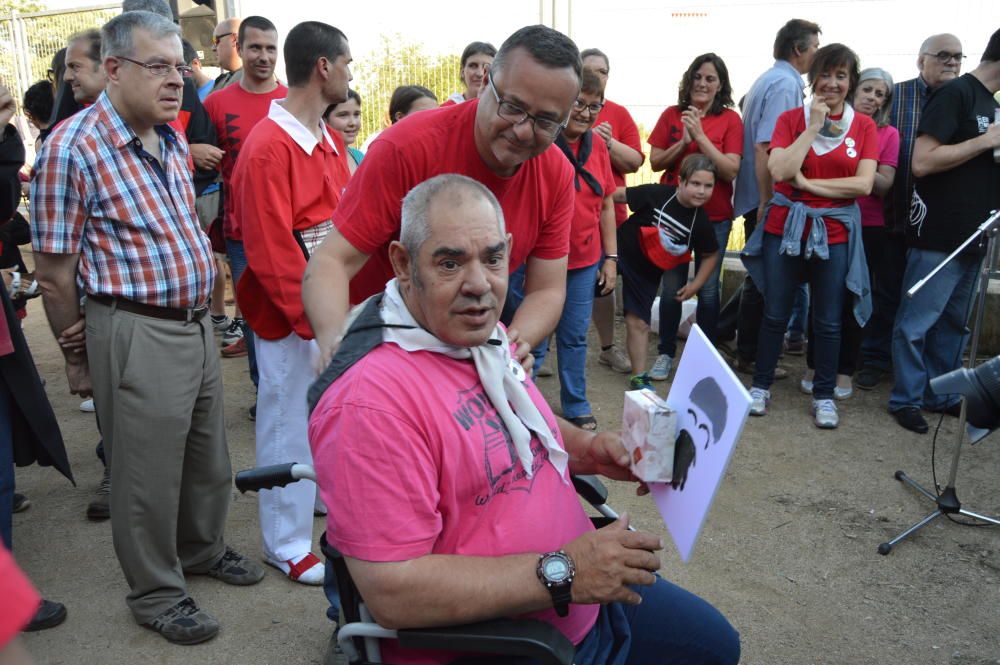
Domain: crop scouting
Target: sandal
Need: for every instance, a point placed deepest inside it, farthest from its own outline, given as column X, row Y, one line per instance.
column 588, row 423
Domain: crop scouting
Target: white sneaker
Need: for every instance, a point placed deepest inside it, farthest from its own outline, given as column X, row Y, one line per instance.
column 661, row 368
column 87, row 406
column 616, row 359
column 760, row 399
column 233, row 333
column 825, row 414
column 806, row 386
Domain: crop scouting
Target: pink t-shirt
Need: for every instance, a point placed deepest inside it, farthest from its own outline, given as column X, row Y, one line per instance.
column 415, row 459
column 872, row 210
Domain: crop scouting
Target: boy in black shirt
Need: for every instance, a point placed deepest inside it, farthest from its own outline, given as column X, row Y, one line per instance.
column 666, row 225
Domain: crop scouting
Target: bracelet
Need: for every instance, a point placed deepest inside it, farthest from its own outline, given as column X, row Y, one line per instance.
column 613, row 257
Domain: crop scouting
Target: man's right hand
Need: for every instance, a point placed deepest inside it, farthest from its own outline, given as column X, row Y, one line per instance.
column 611, row 559
column 206, row 156
column 78, row 375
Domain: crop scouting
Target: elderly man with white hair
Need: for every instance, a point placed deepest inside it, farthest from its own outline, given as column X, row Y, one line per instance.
column 450, row 472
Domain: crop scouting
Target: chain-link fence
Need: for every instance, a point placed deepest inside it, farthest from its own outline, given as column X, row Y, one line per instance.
column 28, row 41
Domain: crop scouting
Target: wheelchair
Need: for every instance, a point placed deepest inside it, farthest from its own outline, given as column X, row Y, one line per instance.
column 359, row 634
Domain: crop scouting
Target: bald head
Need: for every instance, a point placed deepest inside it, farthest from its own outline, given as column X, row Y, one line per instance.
column 224, row 44
column 940, row 59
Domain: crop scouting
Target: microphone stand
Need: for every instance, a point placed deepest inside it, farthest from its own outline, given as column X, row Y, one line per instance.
column 947, row 502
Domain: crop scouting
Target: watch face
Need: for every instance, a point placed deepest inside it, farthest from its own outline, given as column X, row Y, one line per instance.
column 556, row 569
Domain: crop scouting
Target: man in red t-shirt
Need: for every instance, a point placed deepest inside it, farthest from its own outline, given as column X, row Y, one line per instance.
column 621, row 135
column 285, row 187
column 234, row 111
column 502, row 139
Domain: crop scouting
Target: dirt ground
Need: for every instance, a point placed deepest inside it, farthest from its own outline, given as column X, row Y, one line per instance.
column 788, row 553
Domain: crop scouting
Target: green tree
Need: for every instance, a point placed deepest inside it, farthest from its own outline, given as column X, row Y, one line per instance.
column 393, row 63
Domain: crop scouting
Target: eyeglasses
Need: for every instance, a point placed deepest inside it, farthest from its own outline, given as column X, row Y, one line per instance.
column 594, row 109
column 161, row 68
column 515, row 115
column 943, row 57
column 218, row 38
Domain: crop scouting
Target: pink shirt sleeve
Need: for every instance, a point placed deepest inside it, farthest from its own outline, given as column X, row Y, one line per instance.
column 20, row 599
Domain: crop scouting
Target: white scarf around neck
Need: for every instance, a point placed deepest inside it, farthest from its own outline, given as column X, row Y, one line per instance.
column 824, row 143
column 501, row 375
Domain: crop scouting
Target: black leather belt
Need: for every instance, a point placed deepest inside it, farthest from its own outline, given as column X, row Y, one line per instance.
column 154, row 311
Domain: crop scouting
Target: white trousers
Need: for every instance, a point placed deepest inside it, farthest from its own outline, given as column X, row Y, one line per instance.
column 286, row 369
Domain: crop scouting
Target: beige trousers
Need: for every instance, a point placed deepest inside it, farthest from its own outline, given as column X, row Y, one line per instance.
column 158, row 394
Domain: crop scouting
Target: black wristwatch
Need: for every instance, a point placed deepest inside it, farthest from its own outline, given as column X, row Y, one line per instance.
column 556, row 571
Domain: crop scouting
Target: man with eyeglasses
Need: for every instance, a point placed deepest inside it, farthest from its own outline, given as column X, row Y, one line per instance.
column 224, row 40
column 112, row 205
column 939, row 61
column 955, row 189
column 502, row 139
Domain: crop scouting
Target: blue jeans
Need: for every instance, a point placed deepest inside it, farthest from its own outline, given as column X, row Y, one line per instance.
column 571, row 341
column 671, row 626
column 237, row 264
column 709, row 296
column 782, row 276
column 930, row 331
column 798, row 325
column 6, row 465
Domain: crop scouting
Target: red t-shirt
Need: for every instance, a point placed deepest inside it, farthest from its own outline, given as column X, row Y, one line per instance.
column 725, row 131
column 537, row 200
column 841, row 162
column 278, row 187
column 585, row 247
column 624, row 130
column 234, row 112
column 20, row 599
column 448, row 102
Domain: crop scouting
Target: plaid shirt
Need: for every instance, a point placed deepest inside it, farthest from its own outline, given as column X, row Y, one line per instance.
column 908, row 101
column 97, row 193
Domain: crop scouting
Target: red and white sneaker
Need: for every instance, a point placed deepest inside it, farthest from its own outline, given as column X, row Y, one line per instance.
column 307, row 569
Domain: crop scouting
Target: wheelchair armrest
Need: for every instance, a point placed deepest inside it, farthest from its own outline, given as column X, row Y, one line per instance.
column 535, row 639
column 591, row 489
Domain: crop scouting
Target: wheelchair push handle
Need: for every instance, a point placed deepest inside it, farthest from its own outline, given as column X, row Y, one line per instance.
column 277, row 475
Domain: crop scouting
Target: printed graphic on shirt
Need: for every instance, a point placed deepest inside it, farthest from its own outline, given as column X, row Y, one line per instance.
column 502, row 469
column 918, row 212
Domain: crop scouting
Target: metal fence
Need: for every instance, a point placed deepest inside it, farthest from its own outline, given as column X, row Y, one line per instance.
column 28, row 41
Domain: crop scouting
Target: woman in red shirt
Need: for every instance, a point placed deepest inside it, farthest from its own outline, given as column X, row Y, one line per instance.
column 823, row 157
column 702, row 122
column 873, row 98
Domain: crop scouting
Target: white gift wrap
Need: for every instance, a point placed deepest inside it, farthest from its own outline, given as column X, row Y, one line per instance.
column 649, row 429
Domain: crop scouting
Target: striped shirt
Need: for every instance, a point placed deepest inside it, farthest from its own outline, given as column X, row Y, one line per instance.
column 908, row 101
column 132, row 219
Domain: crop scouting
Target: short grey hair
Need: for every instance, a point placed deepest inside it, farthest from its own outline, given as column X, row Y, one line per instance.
column 160, row 7
column 117, row 34
column 415, row 227
column 881, row 116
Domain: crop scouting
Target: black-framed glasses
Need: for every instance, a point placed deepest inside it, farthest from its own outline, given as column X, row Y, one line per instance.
column 515, row 115
column 594, row 109
column 943, row 57
column 160, row 68
column 218, row 38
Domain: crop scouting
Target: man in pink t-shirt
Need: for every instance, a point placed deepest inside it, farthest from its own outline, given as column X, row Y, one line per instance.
column 450, row 473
